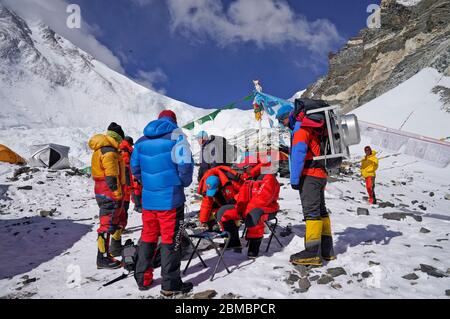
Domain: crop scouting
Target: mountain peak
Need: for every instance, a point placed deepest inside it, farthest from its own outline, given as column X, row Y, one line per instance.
column 410, row 39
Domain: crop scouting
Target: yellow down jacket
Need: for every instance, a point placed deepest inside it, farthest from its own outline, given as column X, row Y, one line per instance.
column 108, row 169
column 369, row 164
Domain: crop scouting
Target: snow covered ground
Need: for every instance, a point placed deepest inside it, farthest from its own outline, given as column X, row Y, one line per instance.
column 43, row 257
column 412, row 106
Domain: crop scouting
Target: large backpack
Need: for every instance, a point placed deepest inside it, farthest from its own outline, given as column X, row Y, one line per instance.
column 305, row 105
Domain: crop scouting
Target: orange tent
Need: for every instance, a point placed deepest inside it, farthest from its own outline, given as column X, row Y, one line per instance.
column 8, row 156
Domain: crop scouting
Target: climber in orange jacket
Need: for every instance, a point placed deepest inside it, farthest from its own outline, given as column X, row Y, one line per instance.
column 108, row 172
column 218, row 186
column 257, row 198
column 133, row 189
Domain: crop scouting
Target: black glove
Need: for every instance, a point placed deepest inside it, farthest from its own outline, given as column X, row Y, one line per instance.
column 296, row 187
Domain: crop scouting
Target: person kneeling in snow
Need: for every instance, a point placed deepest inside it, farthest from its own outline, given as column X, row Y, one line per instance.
column 257, row 198
column 163, row 178
column 108, row 172
column 369, row 165
column 310, row 180
column 218, row 186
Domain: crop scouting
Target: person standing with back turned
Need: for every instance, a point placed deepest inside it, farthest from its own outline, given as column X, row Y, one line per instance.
column 163, row 177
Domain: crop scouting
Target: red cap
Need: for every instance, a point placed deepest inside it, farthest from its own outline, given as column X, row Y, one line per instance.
column 169, row 114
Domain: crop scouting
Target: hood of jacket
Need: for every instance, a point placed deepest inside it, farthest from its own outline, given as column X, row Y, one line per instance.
column 159, row 127
column 101, row 140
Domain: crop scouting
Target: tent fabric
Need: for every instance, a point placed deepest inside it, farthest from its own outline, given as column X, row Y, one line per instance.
column 9, row 156
column 52, row 156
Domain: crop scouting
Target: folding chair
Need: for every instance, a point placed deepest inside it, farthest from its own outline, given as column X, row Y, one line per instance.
column 209, row 236
column 272, row 228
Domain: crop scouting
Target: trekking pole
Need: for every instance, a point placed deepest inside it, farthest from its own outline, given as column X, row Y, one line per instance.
column 123, row 276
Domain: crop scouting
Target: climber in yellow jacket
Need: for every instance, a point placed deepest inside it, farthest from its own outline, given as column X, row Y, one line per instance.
column 108, row 172
column 369, row 165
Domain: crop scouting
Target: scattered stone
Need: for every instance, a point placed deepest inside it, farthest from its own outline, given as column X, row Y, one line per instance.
column 447, row 196
column 414, row 202
column 366, row 274
column 325, row 279
column 424, row 230
column 362, row 211
column 208, row 294
column 25, row 188
column 29, row 281
column 422, row 207
column 441, row 239
column 304, row 285
column 431, row 194
column 407, row 245
column 303, row 270
column 336, row 272
column 373, row 263
column 432, row 271
column 47, row 213
column 314, row 278
column 336, row 286
column 394, row 216
column 386, row 204
column 277, row 267
column 433, row 246
column 292, row 279
column 411, row 276
column 349, row 282
column 230, row 295
column 417, row 218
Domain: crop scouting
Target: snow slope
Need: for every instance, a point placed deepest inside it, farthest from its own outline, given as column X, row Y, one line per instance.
column 411, row 107
column 57, row 254
column 46, row 81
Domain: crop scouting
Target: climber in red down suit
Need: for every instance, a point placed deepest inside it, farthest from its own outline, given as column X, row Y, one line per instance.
column 257, row 198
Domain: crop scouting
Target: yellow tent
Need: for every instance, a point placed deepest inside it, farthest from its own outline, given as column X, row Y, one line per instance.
column 8, row 156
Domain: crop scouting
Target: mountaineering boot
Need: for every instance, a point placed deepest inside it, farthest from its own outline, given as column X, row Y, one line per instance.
column 311, row 255
column 327, row 240
column 185, row 287
column 116, row 247
column 234, row 242
column 253, row 247
column 104, row 260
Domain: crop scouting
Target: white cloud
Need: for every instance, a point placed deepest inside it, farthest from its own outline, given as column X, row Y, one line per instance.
column 53, row 13
column 264, row 22
column 150, row 78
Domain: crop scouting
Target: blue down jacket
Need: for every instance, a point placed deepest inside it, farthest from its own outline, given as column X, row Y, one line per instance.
column 162, row 162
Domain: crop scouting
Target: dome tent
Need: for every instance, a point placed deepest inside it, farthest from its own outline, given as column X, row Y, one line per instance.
column 9, row 156
column 52, row 156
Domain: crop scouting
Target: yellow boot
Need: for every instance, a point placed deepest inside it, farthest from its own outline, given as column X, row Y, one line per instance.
column 116, row 247
column 311, row 255
column 104, row 260
column 327, row 240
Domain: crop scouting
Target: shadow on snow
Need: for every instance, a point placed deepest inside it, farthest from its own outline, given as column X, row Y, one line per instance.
column 31, row 241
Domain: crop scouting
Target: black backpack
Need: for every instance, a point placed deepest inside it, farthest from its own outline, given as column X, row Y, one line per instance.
column 305, row 105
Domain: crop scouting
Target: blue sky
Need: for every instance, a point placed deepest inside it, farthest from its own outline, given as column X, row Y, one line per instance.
column 207, row 52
